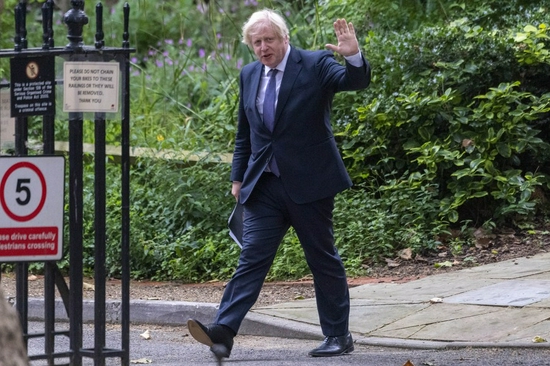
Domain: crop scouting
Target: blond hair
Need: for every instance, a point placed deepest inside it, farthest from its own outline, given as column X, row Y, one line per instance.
column 263, row 18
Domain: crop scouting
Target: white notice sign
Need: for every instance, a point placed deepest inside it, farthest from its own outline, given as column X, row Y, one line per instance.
column 7, row 124
column 90, row 87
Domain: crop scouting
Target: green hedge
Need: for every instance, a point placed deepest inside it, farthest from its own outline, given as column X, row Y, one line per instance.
column 451, row 135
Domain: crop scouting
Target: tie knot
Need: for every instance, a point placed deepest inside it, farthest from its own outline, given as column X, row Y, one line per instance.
column 272, row 73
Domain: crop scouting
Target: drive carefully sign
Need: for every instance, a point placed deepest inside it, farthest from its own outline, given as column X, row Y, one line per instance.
column 31, row 208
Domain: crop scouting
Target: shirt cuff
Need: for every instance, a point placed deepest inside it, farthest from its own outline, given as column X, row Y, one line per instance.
column 355, row 60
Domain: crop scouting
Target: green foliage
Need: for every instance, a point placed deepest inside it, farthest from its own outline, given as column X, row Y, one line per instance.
column 480, row 144
column 371, row 227
column 531, row 47
column 451, row 135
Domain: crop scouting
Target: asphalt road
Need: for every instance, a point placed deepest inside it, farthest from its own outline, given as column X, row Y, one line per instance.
column 173, row 346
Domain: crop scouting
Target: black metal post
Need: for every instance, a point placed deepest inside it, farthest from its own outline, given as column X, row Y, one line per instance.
column 50, row 22
column 75, row 233
column 21, row 137
column 48, row 133
column 22, row 268
column 18, row 46
column 99, row 35
column 125, row 165
column 23, row 23
column 100, row 239
column 46, row 26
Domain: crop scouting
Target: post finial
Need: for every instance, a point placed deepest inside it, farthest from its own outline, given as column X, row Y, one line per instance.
column 75, row 19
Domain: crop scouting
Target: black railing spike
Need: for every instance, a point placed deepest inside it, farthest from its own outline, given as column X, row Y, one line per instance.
column 23, row 24
column 45, row 26
column 50, row 24
column 75, row 19
column 126, row 35
column 17, row 39
column 99, row 35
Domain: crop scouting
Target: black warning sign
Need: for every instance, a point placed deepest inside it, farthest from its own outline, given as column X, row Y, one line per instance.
column 32, row 86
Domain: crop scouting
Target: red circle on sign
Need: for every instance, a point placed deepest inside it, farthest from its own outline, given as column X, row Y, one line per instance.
column 33, row 214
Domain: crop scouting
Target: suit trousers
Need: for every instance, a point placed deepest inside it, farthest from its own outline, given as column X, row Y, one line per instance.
column 268, row 214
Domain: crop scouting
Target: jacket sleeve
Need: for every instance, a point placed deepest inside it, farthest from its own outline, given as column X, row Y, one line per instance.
column 242, row 151
column 343, row 78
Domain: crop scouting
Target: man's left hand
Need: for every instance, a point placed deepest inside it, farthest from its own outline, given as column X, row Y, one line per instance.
column 347, row 41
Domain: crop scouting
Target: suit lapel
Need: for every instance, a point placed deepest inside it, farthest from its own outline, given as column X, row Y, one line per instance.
column 292, row 70
column 255, row 77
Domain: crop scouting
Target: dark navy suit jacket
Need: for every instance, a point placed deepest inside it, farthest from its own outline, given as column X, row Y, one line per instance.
column 302, row 140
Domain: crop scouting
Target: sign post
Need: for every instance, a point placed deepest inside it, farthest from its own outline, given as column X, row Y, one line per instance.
column 31, row 208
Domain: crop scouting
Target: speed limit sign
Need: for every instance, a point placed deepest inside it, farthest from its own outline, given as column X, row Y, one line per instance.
column 31, row 208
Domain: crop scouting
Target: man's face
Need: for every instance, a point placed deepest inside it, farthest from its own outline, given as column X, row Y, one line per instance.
column 268, row 47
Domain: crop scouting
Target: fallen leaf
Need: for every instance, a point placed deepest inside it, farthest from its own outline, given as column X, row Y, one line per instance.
column 408, row 363
column 405, row 254
column 483, row 238
column 299, row 297
column 146, row 334
column 443, row 264
column 142, row 360
column 420, row 258
column 538, row 339
column 392, row 263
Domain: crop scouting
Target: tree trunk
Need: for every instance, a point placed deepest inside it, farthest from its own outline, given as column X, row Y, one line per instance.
column 12, row 350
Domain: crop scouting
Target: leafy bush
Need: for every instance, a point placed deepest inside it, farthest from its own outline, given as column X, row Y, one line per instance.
column 453, row 131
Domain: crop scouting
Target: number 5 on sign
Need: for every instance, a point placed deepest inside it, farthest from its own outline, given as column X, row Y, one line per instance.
column 31, row 208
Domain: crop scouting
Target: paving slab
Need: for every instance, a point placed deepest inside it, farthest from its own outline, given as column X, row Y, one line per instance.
column 492, row 326
column 424, row 289
column 541, row 304
column 367, row 319
column 513, row 268
column 527, row 334
column 437, row 313
column 505, row 293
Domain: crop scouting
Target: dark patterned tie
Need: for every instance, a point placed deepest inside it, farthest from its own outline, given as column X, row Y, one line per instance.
column 269, row 100
column 269, row 112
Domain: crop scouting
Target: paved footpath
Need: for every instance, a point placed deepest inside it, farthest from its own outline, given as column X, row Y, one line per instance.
column 506, row 304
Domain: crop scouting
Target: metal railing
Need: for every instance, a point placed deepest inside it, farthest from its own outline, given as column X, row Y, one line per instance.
column 72, row 294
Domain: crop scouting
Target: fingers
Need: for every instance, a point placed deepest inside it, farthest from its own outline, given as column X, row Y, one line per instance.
column 236, row 189
column 347, row 41
column 342, row 27
column 331, row 47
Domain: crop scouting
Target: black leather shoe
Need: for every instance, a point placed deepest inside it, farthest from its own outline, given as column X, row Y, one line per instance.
column 334, row 346
column 218, row 337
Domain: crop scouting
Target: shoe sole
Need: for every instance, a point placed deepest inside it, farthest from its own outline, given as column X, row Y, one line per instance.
column 345, row 352
column 219, row 350
column 198, row 333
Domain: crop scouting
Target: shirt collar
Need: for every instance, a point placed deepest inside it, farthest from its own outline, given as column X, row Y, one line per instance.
column 282, row 65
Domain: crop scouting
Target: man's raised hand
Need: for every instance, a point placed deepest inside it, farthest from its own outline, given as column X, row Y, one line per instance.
column 347, row 40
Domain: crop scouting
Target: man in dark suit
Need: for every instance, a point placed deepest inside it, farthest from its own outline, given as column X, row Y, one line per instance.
column 286, row 172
